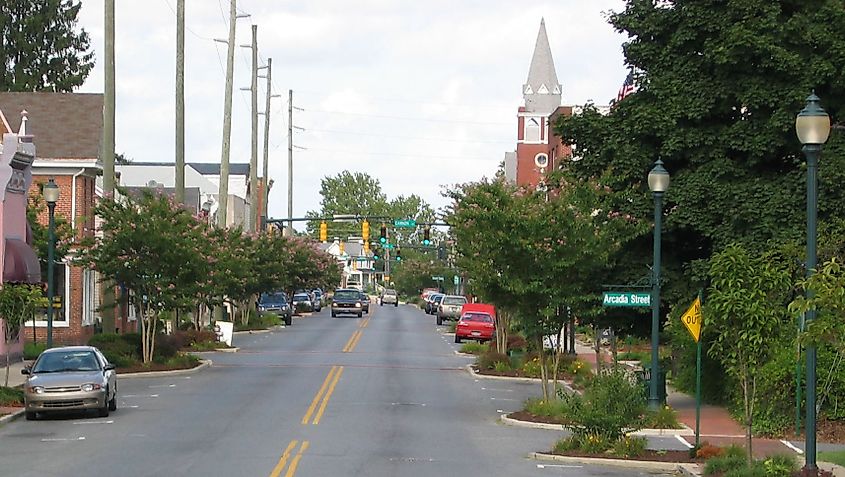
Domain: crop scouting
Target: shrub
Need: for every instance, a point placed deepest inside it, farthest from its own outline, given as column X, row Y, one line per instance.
column 166, row 346
column 474, row 348
column 502, row 367
column 516, row 342
column 116, row 348
column 554, row 408
column 567, row 444
column 531, row 367
column 611, row 405
column 663, row 417
column 630, row 446
column 597, row 443
column 489, row 359
column 724, row 463
column 707, row 451
column 756, row 470
column 780, row 465
column 32, row 350
column 10, row 396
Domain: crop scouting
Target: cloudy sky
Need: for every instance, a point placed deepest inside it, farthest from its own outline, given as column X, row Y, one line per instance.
column 420, row 95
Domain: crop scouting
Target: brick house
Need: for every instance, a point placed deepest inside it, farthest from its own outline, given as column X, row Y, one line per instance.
column 67, row 128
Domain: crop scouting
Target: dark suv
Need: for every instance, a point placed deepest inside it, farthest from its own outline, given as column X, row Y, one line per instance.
column 276, row 302
column 347, row 300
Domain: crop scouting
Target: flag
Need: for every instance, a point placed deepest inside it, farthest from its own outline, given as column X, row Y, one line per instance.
column 627, row 87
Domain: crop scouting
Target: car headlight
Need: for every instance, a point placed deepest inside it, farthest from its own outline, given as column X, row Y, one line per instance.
column 284, row 307
column 88, row 387
column 261, row 308
column 358, row 304
column 36, row 389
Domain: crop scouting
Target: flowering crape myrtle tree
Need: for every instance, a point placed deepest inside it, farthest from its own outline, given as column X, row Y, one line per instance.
column 154, row 248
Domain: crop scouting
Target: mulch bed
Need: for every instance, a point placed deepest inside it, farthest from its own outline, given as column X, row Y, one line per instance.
column 832, row 432
column 678, row 456
column 530, row 417
column 516, row 373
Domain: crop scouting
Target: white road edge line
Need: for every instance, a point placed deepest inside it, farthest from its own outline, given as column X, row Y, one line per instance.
column 684, row 441
column 792, row 446
column 94, row 422
column 543, row 466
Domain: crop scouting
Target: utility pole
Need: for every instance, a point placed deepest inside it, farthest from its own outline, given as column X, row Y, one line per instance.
column 253, row 158
column 180, row 101
column 270, row 95
column 223, row 198
column 290, row 162
column 108, row 304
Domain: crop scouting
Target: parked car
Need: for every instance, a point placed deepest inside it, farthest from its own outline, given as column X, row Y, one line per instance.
column 320, row 297
column 301, row 302
column 433, row 301
column 449, row 308
column 70, row 378
column 347, row 300
column 365, row 302
column 276, row 302
column 316, row 300
column 390, row 297
column 477, row 322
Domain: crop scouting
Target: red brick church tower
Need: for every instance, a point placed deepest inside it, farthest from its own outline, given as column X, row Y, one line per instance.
column 538, row 150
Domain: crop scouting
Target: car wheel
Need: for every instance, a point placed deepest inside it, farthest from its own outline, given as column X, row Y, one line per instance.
column 334, row 315
column 113, row 403
column 360, row 315
column 439, row 320
column 381, row 304
column 457, row 339
column 104, row 411
column 288, row 320
column 31, row 416
column 396, row 304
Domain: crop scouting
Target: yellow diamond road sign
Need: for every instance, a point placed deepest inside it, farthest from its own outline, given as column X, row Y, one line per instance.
column 692, row 319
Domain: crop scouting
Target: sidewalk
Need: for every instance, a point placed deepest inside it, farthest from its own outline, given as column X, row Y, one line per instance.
column 15, row 376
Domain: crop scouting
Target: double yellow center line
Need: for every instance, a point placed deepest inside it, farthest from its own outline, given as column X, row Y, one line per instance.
column 324, row 393
column 356, row 336
column 277, row 471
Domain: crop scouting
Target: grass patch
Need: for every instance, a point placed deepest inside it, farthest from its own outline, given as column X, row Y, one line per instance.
column 662, row 418
column 554, row 408
column 207, row 346
column 261, row 322
column 474, row 348
column 644, row 357
column 11, row 396
column 836, row 457
column 452, row 326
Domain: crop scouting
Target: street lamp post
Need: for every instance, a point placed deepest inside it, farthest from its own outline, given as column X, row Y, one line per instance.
column 813, row 128
column 658, row 183
column 51, row 196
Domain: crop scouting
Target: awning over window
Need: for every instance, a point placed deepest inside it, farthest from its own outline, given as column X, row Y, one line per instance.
column 21, row 264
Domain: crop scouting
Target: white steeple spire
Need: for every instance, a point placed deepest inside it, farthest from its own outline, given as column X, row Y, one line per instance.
column 542, row 92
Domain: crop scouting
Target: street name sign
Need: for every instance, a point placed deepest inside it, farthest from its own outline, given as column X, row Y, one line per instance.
column 407, row 223
column 436, row 278
column 626, row 299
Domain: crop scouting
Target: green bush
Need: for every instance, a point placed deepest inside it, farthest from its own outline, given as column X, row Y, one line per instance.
column 10, row 396
column 663, row 417
column 489, row 359
column 501, row 366
column 554, row 408
column 531, row 367
column 630, row 446
column 612, row 404
column 571, row 443
column 32, row 350
column 780, row 465
column 595, row 443
column 116, row 348
column 474, row 348
column 755, row 470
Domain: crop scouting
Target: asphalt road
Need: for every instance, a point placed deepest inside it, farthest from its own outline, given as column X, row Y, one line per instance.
column 384, row 395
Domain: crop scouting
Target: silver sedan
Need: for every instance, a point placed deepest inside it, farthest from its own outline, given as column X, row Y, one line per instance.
column 69, row 379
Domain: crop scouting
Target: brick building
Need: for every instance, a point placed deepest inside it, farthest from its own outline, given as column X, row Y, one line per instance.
column 67, row 130
column 538, row 149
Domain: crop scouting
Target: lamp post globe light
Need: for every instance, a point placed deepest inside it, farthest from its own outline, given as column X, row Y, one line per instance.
column 813, row 128
column 658, row 183
column 51, row 196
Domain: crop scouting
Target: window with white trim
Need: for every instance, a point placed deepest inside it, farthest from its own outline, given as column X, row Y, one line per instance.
column 532, row 130
column 89, row 297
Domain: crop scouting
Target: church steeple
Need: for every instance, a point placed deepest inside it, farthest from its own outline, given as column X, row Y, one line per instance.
column 542, row 92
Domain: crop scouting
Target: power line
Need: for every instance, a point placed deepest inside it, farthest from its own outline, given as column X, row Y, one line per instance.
column 404, row 118
column 372, row 153
column 186, row 26
column 435, row 139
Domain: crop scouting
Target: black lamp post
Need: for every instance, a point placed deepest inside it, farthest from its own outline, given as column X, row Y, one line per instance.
column 658, row 183
column 813, row 128
column 51, row 196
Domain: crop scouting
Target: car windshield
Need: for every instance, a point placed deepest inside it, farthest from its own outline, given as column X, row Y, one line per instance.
column 66, row 361
column 454, row 300
column 478, row 317
column 318, row 293
column 438, row 298
column 273, row 298
column 347, row 294
column 301, row 296
column 390, row 292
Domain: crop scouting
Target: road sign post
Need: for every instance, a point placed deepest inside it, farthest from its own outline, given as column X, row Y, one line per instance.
column 692, row 320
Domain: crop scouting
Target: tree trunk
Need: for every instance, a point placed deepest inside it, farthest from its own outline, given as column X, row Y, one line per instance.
column 597, row 339
column 558, row 352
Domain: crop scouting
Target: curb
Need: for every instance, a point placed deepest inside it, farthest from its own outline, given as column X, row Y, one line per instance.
column 11, row 417
column 531, row 425
column 205, row 363
column 252, row 332
column 464, row 355
column 233, row 349
column 516, row 380
column 629, row 464
column 691, row 470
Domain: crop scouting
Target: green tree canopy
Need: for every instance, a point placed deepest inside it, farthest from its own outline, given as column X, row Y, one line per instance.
column 40, row 46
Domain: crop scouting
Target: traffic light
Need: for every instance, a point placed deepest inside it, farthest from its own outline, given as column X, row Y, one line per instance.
column 324, row 231
column 376, row 253
column 427, row 235
column 383, row 234
column 365, row 231
column 398, row 254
